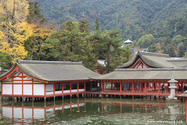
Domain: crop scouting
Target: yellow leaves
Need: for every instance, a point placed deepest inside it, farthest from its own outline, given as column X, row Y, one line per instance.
column 1, row 35
column 14, row 29
column 17, row 52
column 24, row 31
column 42, row 32
column 18, row 9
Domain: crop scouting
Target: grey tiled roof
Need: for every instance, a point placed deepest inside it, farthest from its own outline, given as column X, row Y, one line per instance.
column 145, row 74
column 55, row 70
column 154, row 60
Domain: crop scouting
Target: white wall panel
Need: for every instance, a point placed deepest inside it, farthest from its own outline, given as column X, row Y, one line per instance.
column 17, row 78
column 27, row 81
column 7, row 89
column 27, row 113
column 17, row 112
column 27, row 89
column 39, row 89
column 7, row 112
column 81, row 90
column 38, row 113
column 74, row 90
column 17, row 81
column 18, row 89
column 66, row 91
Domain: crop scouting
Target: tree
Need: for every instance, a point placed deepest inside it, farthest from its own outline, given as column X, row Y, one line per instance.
column 181, row 50
column 34, row 13
column 97, row 24
column 145, row 41
column 171, row 50
column 106, row 42
column 177, row 39
column 84, row 25
column 14, row 27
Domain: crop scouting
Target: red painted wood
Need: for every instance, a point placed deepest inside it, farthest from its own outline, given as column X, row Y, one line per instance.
column 84, row 86
column 77, row 86
column 120, row 87
column 132, row 87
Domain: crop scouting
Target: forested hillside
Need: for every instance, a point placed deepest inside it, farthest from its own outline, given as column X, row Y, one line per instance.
column 130, row 17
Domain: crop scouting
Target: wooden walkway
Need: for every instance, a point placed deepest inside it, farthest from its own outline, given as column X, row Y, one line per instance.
column 140, row 93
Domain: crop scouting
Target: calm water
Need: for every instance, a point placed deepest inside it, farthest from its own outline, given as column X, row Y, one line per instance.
column 95, row 112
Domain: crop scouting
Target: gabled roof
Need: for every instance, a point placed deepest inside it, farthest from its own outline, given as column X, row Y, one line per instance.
column 54, row 70
column 153, row 60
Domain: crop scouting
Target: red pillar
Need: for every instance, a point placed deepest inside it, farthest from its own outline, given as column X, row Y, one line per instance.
column 77, row 86
column 132, row 87
column 111, row 86
column 102, row 86
column 54, row 88
column 120, row 87
column 159, row 88
column 62, row 88
column 84, row 86
column 145, row 88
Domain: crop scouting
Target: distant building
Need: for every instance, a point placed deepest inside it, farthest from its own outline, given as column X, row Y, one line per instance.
column 127, row 42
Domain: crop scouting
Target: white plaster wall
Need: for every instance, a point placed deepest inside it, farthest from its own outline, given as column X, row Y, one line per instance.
column 81, row 90
column 74, row 90
column 38, row 113
column 17, row 112
column 27, row 89
column 17, row 81
column 17, row 78
column 27, row 113
column 18, row 89
column 49, row 93
column 7, row 89
column 58, row 92
column 27, row 81
column 66, row 91
column 39, row 89
column 7, row 112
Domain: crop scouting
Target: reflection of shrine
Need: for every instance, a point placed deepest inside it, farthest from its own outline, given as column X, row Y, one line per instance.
column 26, row 114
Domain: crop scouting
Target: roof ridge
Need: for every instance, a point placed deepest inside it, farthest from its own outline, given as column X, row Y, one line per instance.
column 153, row 54
column 47, row 62
column 152, row 69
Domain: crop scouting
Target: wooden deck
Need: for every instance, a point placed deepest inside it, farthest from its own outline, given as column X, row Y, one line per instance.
column 129, row 92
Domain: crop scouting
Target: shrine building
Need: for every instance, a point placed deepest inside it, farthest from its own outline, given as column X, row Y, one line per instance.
column 46, row 79
column 147, row 74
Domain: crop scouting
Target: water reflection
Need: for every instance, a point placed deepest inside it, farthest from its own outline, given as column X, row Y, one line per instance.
column 95, row 112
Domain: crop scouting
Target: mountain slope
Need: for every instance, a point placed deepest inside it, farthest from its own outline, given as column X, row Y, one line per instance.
column 130, row 17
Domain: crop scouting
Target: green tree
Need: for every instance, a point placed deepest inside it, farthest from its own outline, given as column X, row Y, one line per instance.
column 34, row 13
column 145, row 41
column 177, row 39
column 97, row 24
column 105, row 42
